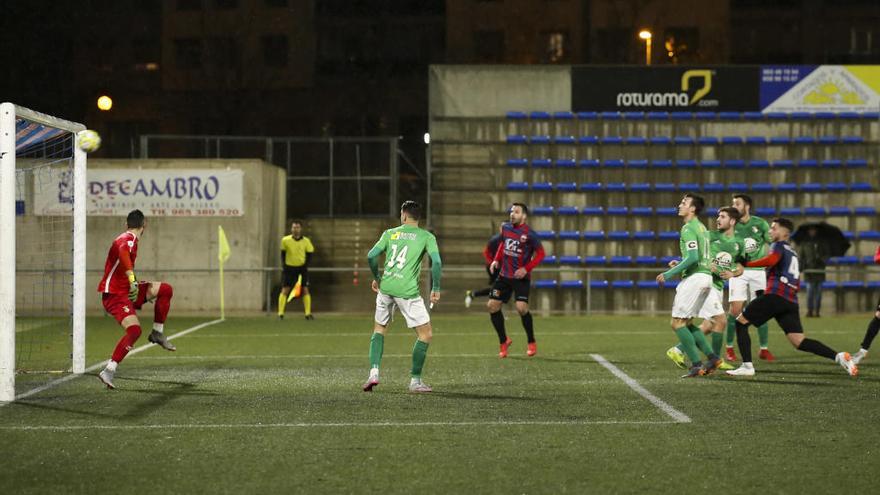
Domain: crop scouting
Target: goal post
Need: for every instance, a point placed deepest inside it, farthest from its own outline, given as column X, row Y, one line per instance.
column 34, row 146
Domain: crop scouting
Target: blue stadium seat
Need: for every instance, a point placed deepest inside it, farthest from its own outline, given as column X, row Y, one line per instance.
column 642, row 211
column 594, row 235
column 567, row 210
column 595, row 260
column 790, row 212
column 661, row 163
column 564, row 140
column 837, row 187
column 779, row 140
column 731, row 140
column 753, row 115
column 517, row 162
column 517, row 186
column 517, row 139
column 542, row 139
column 865, row 211
column 546, row 284
column 644, row 235
column 647, row 284
column 565, row 115
column 832, row 164
column 588, row 140
column 871, row 115
column 861, row 187
column 714, row 187
column 516, row 115
column 566, row 163
column 621, row 260
column 660, row 140
column 711, row 164
column 847, row 115
column 664, row 187
column 829, row 285
column 804, row 140
column 633, row 115
column 664, row 260
column 666, row 210
column 611, row 140
column 617, row 210
column 610, row 115
column 598, row 284
column 856, row 163
column 646, row 260
column 852, row 284
column 867, row 260
column 658, row 116
column 549, row 260
column 567, row 187
column 849, row 234
column 542, row 210
column 623, row 284
column 711, row 211
column 542, row 163
column 704, row 115
column 756, row 140
column 814, row 211
column 737, row 187
column 707, row 141
column 592, row 210
column 570, row 260
column 789, row 187
column 589, row 163
column 614, row 163
column 539, row 115
column 635, row 141
column 783, row 164
column 637, row 163
column 811, row 187
column 615, row 186
column 618, row 235
column 591, row 186
column 686, row 164
column 734, row 164
column 762, row 187
column 759, row 164
column 872, row 284
column 824, row 115
column 545, row 234
column 570, row 235
column 640, row 187
column 765, row 211
column 671, row 284
column 808, row 163
column 572, row 284
column 843, row 260
column 668, row 235
column 852, row 140
column 869, row 234
column 681, row 115
column 776, row 115
column 587, row 115
column 683, row 140
column 689, row 187
column 542, row 186
column 839, row 211
column 729, row 115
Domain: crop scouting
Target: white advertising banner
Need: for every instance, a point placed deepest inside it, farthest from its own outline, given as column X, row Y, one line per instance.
column 158, row 193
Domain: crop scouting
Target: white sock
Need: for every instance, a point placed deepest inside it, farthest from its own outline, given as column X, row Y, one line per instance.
column 159, row 327
column 111, row 365
column 748, row 365
column 862, row 350
column 414, row 380
column 374, row 372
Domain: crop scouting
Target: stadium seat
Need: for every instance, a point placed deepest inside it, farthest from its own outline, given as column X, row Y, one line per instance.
column 661, row 164
column 827, row 140
column 517, row 162
column 594, row 235
column 640, row 187
column 811, row 187
column 617, row 210
column 564, row 140
column 779, row 141
column 756, row 140
column 762, row 187
column 644, row 235
column 852, row 139
column 614, row 163
column 637, row 163
column 804, row 140
column 588, row 140
column 572, row 284
column 591, row 186
column 611, row 140
column 595, row 260
column 737, row 187
column 618, row 235
column 861, row 187
column 642, row 211
column 615, row 186
column 517, row 139
column 665, row 260
column 567, row 210
column 714, row 187
column 623, row 284
column 598, row 284
column 666, row 210
column 682, row 115
column 808, row 163
column 658, row 116
column 789, row 187
column 541, row 139
column 660, row 140
column 570, row 235
column 549, row 260
column 759, row 164
column 589, row 163
column 711, row 164
column 790, row 212
column 689, row 187
column 729, row 115
column 566, row 163
column 814, row 211
column 847, row 115
column 823, row 115
column 753, row 115
column 728, row 140
column 871, row 115
column 542, row 163
column 610, row 115
column 542, row 186
column 765, row 211
column 668, row 235
column 734, row 164
column 570, row 260
column 707, row 141
column 646, row 260
column 516, row 115
column 517, row 186
column 592, row 210
column 635, row 141
column 849, row 234
column 587, row 115
column 633, row 115
column 545, row 234
column 869, row 234
column 872, row 284
column 664, row 187
column 621, row 260
column 856, row 163
column 686, row 164
column 839, row 211
column 683, row 140
column 539, row 115
column 671, row 284
column 836, row 187
column 542, row 210
column 852, row 284
column 647, row 284
column 546, row 284
column 843, row 260
column 567, row 187
column 704, row 115
column 782, row 164
column 831, row 164
column 861, row 211
column 564, row 115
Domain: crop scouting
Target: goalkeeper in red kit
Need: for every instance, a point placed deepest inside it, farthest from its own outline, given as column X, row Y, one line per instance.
column 122, row 294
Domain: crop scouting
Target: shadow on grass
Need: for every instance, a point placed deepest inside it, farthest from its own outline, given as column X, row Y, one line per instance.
column 473, row 396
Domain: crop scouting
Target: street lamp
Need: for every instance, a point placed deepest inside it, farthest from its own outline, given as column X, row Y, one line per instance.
column 646, row 35
column 105, row 103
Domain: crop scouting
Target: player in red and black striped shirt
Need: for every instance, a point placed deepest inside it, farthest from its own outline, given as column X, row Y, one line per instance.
column 489, row 256
column 780, row 302
column 518, row 254
column 873, row 326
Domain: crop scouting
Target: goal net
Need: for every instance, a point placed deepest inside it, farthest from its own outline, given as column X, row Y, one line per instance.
column 42, row 250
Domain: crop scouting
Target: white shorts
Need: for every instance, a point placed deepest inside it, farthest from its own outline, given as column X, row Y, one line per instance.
column 713, row 305
column 413, row 310
column 746, row 286
column 690, row 295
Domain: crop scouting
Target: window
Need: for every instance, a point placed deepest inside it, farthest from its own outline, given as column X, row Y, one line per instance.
column 681, row 44
column 860, row 41
column 553, row 47
column 145, row 50
column 275, row 48
column 614, row 45
column 189, row 4
column 188, row 53
column 489, row 46
column 223, row 53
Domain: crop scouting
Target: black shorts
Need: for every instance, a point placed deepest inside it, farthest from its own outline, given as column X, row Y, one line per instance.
column 504, row 287
column 291, row 273
column 768, row 306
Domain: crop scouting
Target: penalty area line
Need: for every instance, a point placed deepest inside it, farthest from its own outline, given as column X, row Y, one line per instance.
column 672, row 412
column 97, row 366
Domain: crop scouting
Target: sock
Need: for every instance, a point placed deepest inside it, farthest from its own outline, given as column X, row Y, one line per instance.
column 420, row 352
column 731, row 330
column 307, row 304
column 744, row 341
column 817, row 348
column 481, row 292
column 700, row 340
column 158, row 327
column 498, row 322
column 687, row 342
column 126, row 343
column 282, row 302
column 717, row 342
column 377, row 344
column 870, row 333
column 111, row 365
column 763, row 335
column 162, row 305
column 527, row 324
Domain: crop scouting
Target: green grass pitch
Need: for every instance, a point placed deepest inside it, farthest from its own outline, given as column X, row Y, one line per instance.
column 265, row 406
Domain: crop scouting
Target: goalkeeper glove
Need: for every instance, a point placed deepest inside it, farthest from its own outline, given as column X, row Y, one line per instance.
column 132, row 288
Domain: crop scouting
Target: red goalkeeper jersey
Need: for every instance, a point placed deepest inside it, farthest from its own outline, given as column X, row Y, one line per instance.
column 120, row 259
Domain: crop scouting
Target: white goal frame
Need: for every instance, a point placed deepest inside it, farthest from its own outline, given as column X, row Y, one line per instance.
column 8, row 114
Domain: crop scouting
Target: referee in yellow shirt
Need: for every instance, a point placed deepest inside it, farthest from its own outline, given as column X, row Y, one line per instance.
column 296, row 251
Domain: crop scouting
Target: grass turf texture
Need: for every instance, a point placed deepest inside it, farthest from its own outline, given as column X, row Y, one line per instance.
column 267, row 406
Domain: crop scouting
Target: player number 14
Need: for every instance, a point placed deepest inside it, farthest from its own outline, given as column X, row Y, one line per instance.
column 395, row 258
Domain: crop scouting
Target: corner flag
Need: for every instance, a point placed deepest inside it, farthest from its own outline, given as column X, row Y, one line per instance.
column 223, row 253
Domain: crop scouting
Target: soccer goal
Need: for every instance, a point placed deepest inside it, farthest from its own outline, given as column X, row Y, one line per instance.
column 42, row 250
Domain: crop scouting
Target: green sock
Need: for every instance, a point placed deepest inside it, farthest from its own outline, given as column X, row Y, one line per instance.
column 687, row 342
column 700, row 340
column 717, row 341
column 377, row 343
column 731, row 330
column 420, row 352
column 763, row 335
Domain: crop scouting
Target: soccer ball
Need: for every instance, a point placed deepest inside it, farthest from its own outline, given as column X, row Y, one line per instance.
column 723, row 260
column 88, row 140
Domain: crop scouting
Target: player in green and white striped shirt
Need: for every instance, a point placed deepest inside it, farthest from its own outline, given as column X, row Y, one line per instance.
column 404, row 247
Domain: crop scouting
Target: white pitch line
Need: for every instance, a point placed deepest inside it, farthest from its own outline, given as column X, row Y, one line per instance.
column 674, row 413
column 325, row 425
column 367, row 333
column 97, row 366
